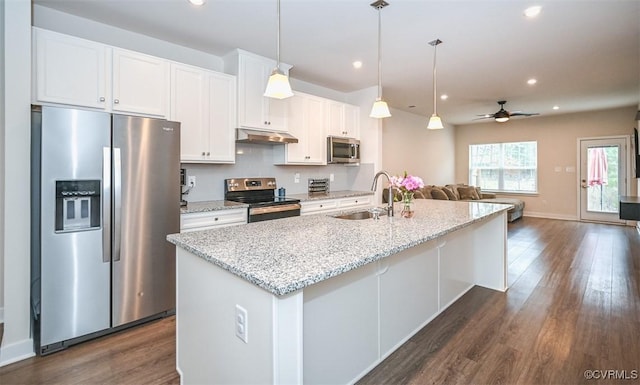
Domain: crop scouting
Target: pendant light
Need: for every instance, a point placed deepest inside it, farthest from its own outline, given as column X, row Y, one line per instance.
column 278, row 86
column 435, row 123
column 380, row 108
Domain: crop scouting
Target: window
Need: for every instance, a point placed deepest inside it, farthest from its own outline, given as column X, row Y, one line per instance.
column 508, row 167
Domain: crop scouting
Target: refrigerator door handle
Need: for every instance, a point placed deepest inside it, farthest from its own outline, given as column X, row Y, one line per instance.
column 117, row 203
column 106, row 204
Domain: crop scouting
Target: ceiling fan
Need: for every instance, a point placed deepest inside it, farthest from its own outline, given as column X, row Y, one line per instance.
column 503, row 115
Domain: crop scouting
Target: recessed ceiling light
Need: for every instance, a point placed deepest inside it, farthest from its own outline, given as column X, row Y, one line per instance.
column 197, row 2
column 357, row 64
column 556, row 107
column 444, row 97
column 532, row 11
column 532, row 81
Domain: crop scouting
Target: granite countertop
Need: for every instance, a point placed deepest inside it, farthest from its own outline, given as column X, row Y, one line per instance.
column 204, row 206
column 285, row 255
column 305, row 197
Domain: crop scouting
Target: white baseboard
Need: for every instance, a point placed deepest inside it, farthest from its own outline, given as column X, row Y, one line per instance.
column 10, row 353
column 535, row 214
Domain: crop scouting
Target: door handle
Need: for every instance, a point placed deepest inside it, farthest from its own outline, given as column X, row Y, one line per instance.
column 106, row 204
column 117, row 203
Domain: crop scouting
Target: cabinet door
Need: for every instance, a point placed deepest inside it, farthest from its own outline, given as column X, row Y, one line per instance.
column 222, row 117
column 255, row 110
column 316, row 134
column 297, row 152
column 352, row 121
column 335, row 120
column 70, row 70
column 189, row 101
column 140, row 83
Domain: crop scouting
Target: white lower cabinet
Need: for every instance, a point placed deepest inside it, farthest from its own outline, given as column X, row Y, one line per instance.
column 340, row 327
column 408, row 295
column 212, row 219
column 327, row 206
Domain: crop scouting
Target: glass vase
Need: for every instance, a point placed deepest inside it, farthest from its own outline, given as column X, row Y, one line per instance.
column 407, row 205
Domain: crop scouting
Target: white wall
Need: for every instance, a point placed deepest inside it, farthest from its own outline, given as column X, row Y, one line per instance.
column 409, row 146
column 17, row 343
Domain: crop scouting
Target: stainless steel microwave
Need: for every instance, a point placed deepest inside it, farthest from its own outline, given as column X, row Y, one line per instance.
column 343, row 150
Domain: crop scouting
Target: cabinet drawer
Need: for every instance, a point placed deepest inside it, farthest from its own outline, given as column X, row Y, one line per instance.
column 212, row 219
column 316, row 207
column 348, row 203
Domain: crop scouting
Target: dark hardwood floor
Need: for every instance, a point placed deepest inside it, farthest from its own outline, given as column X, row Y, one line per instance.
column 573, row 306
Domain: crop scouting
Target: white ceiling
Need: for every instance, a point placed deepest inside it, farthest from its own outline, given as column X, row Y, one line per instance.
column 584, row 54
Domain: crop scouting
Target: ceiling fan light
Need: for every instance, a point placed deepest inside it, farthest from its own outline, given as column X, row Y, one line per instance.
column 502, row 119
column 380, row 109
column 278, row 86
column 435, row 123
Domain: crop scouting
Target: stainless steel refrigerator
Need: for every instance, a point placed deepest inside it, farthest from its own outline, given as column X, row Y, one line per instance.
column 105, row 194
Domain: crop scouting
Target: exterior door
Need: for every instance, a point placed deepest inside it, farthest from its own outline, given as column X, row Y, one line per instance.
column 602, row 178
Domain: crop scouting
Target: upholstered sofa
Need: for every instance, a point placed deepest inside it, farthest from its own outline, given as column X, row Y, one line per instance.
column 463, row 192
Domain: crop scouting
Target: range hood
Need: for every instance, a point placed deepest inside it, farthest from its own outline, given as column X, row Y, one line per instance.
column 244, row 135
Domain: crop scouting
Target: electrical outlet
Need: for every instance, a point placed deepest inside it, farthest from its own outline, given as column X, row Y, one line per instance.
column 192, row 181
column 242, row 324
column 331, row 177
column 296, row 178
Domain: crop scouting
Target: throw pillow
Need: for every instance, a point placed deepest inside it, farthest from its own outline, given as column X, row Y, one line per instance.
column 450, row 194
column 468, row 193
column 437, row 193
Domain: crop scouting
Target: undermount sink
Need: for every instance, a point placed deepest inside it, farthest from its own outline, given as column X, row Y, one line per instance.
column 358, row 215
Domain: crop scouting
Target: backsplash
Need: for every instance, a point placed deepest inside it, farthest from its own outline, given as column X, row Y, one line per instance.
column 256, row 160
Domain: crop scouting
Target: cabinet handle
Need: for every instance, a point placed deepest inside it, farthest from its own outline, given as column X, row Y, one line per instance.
column 116, row 101
column 215, row 219
column 102, row 98
column 208, row 153
column 265, row 122
column 202, row 153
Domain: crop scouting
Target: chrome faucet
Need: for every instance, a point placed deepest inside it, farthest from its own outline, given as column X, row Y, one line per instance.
column 390, row 197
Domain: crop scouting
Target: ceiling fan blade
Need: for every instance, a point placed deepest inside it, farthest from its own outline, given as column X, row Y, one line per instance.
column 523, row 113
column 484, row 117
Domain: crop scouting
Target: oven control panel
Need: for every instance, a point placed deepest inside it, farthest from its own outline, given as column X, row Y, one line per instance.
column 249, row 184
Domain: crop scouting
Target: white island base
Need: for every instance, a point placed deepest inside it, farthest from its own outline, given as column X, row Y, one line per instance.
column 333, row 331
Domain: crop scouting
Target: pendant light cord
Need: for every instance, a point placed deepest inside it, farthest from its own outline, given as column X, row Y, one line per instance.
column 435, row 81
column 380, row 53
column 278, row 40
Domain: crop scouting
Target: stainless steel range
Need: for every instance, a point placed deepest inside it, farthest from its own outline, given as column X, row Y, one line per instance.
column 259, row 194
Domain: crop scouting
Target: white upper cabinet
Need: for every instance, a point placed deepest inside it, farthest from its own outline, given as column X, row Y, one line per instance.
column 74, row 71
column 204, row 102
column 256, row 111
column 140, row 83
column 70, row 71
column 343, row 120
column 307, row 122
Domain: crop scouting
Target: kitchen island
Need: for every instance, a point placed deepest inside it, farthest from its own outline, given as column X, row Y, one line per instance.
column 317, row 299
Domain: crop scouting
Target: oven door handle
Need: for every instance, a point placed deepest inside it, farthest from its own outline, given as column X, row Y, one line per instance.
column 273, row 209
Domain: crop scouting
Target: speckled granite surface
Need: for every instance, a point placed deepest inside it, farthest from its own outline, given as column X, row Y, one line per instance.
column 200, row 207
column 285, row 255
column 331, row 195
